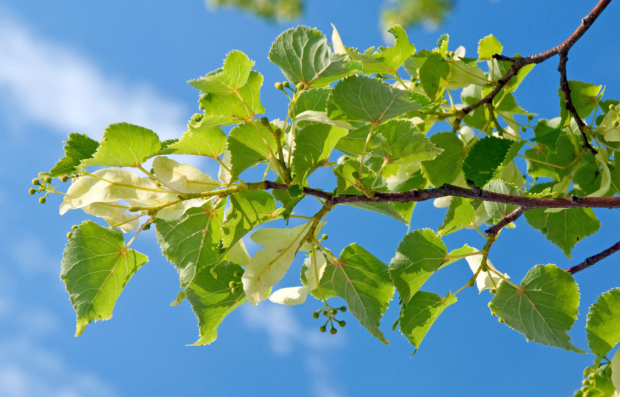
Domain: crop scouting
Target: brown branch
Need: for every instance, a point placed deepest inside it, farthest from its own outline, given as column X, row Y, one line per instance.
column 593, row 259
column 512, row 217
column 517, row 64
column 421, row 195
column 569, row 102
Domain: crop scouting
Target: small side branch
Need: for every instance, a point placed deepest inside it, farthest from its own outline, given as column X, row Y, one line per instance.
column 569, row 103
column 590, row 261
column 512, row 217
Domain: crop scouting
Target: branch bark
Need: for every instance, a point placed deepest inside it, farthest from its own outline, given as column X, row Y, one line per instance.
column 590, row 261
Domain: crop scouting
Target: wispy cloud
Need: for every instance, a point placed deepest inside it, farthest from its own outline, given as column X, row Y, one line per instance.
column 44, row 82
column 286, row 334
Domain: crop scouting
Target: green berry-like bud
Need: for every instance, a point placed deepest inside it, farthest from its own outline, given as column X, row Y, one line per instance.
column 333, row 331
column 324, row 237
column 615, row 123
column 231, row 284
column 343, row 309
column 32, row 191
column 492, row 291
column 36, row 182
column 147, row 227
column 42, row 200
column 333, row 311
column 342, row 323
column 64, row 178
column 152, row 171
column 315, row 315
column 523, row 129
column 323, row 329
column 578, row 393
column 285, row 84
column 238, row 274
column 611, row 107
column 585, row 382
column 300, row 86
column 69, row 235
column 73, row 228
column 234, row 290
column 278, row 132
column 48, row 179
column 584, row 389
column 264, row 121
column 324, row 313
column 279, row 86
column 530, row 117
column 601, row 373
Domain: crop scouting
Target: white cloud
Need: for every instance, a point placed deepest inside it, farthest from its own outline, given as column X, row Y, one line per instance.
column 286, row 334
column 47, row 83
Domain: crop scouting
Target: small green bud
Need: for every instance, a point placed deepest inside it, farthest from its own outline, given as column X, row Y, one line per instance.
column 323, row 329
column 471, row 283
column 315, row 315
column 523, row 129
column 333, row 311
column 585, row 382
column 608, row 371
column 64, row 178
column 324, row 313
column 584, row 389
column 615, row 123
column 324, row 237
column 264, row 121
column 601, row 373
column 611, row 107
column 48, row 179
column 73, row 228
column 133, row 208
column 530, row 117
column 36, row 182
column 152, row 171
column 333, row 331
column 343, row 309
column 32, row 191
column 238, row 274
column 69, row 235
column 151, row 212
column 231, row 284
column 300, row 86
column 342, row 323
column 278, row 132
column 285, row 84
column 234, row 290
column 492, row 291
column 42, row 200
column 279, row 86
column 578, row 393
column 147, row 227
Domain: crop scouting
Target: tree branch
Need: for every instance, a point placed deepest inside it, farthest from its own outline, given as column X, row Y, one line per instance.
column 593, row 259
column 505, row 221
column 569, row 102
column 421, row 195
column 517, row 64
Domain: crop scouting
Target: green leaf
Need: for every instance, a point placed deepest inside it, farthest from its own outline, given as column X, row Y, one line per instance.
column 433, row 76
column 489, row 46
column 556, row 164
column 78, row 147
column 484, row 159
column 418, row 256
column 269, row 264
column 314, row 99
column 304, row 56
column 238, row 254
column 461, row 214
column 212, row 299
column 249, row 144
column 313, row 269
column 248, row 210
column 182, row 177
column 566, row 227
column 499, row 210
column 223, row 110
column 192, row 242
column 230, row 78
column 417, row 316
column 353, row 143
column 584, row 97
column 543, row 308
column 313, row 145
column 385, row 208
column 205, row 141
column 386, row 59
column 96, row 266
column 615, row 370
column 477, row 118
column 445, row 168
column 404, row 143
column 462, row 75
column 363, row 282
column 603, row 324
column 546, row 133
column 361, row 98
column 124, row 145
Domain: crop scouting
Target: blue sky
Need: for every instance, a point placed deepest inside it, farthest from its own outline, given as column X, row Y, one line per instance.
column 79, row 66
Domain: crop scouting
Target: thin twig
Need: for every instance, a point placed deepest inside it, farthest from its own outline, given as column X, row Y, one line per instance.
column 593, row 259
column 505, row 221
